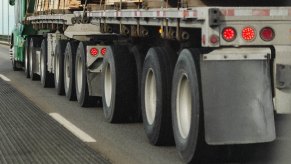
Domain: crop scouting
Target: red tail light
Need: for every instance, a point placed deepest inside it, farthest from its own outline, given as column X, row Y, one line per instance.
column 248, row 33
column 267, row 34
column 94, row 51
column 103, row 51
column 228, row 34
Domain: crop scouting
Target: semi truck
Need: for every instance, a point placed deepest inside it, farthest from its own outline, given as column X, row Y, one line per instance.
column 197, row 73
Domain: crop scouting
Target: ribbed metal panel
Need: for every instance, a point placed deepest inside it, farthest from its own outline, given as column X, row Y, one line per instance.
column 28, row 135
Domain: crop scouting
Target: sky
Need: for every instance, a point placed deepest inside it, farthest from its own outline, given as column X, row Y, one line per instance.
column 6, row 17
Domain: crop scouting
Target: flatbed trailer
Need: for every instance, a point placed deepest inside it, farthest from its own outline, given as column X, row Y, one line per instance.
column 198, row 76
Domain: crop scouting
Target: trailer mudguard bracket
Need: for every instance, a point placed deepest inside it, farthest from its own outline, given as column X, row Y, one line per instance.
column 237, row 96
column 282, row 79
column 214, row 15
column 283, row 76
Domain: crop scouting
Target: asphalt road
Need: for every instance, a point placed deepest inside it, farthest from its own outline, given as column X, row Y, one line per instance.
column 127, row 143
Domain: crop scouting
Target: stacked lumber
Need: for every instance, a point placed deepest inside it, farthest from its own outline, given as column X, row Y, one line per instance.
column 237, row 3
column 94, row 5
column 55, row 5
column 112, row 2
column 61, row 6
column 124, row 4
column 159, row 3
column 201, row 3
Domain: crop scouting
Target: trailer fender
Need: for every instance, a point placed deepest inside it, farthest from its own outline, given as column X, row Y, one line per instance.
column 237, row 96
column 95, row 54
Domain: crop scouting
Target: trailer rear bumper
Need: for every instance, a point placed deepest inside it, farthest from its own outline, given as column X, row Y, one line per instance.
column 237, row 96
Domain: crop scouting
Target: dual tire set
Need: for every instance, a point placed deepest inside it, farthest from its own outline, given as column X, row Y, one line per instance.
column 66, row 77
column 172, row 108
column 156, row 84
column 168, row 90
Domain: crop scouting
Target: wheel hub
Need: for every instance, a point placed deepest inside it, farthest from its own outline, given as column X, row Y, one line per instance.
column 184, row 106
column 42, row 67
column 150, row 96
column 57, row 70
column 79, row 74
column 67, row 72
column 108, row 84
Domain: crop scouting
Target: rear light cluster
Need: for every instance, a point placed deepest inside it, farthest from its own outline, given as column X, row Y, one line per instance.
column 94, row 51
column 267, row 34
column 229, row 34
column 103, row 51
column 248, row 33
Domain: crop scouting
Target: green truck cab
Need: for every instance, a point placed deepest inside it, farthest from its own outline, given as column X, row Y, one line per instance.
column 21, row 31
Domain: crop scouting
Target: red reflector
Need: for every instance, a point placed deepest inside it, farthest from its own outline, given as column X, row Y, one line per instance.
column 103, row 51
column 228, row 34
column 94, row 51
column 214, row 39
column 267, row 34
column 248, row 34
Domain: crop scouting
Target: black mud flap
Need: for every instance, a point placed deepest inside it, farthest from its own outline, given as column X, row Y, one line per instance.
column 237, row 100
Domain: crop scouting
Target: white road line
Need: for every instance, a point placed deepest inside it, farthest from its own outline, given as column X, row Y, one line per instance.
column 4, row 78
column 71, row 127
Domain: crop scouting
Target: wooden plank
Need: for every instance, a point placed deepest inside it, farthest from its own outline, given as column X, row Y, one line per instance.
column 156, row 4
column 198, row 3
column 111, row 2
column 95, row 7
column 53, row 5
column 40, row 5
column 193, row 3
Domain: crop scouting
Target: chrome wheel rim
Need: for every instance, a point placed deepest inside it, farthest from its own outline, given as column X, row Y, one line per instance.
column 30, row 63
column 67, row 73
column 79, row 74
column 57, row 69
column 184, row 106
column 150, row 96
column 26, row 60
column 42, row 67
column 108, row 84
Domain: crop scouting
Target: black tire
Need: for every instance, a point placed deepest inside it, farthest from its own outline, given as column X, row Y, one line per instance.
column 139, row 53
column 46, row 78
column 82, row 92
column 14, row 63
column 34, row 46
column 59, row 66
column 14, row 67
column 186, row 97
column 156, row 95
column 12, row 53
column 26, row 58
column 120, row 85
column 69, row 70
